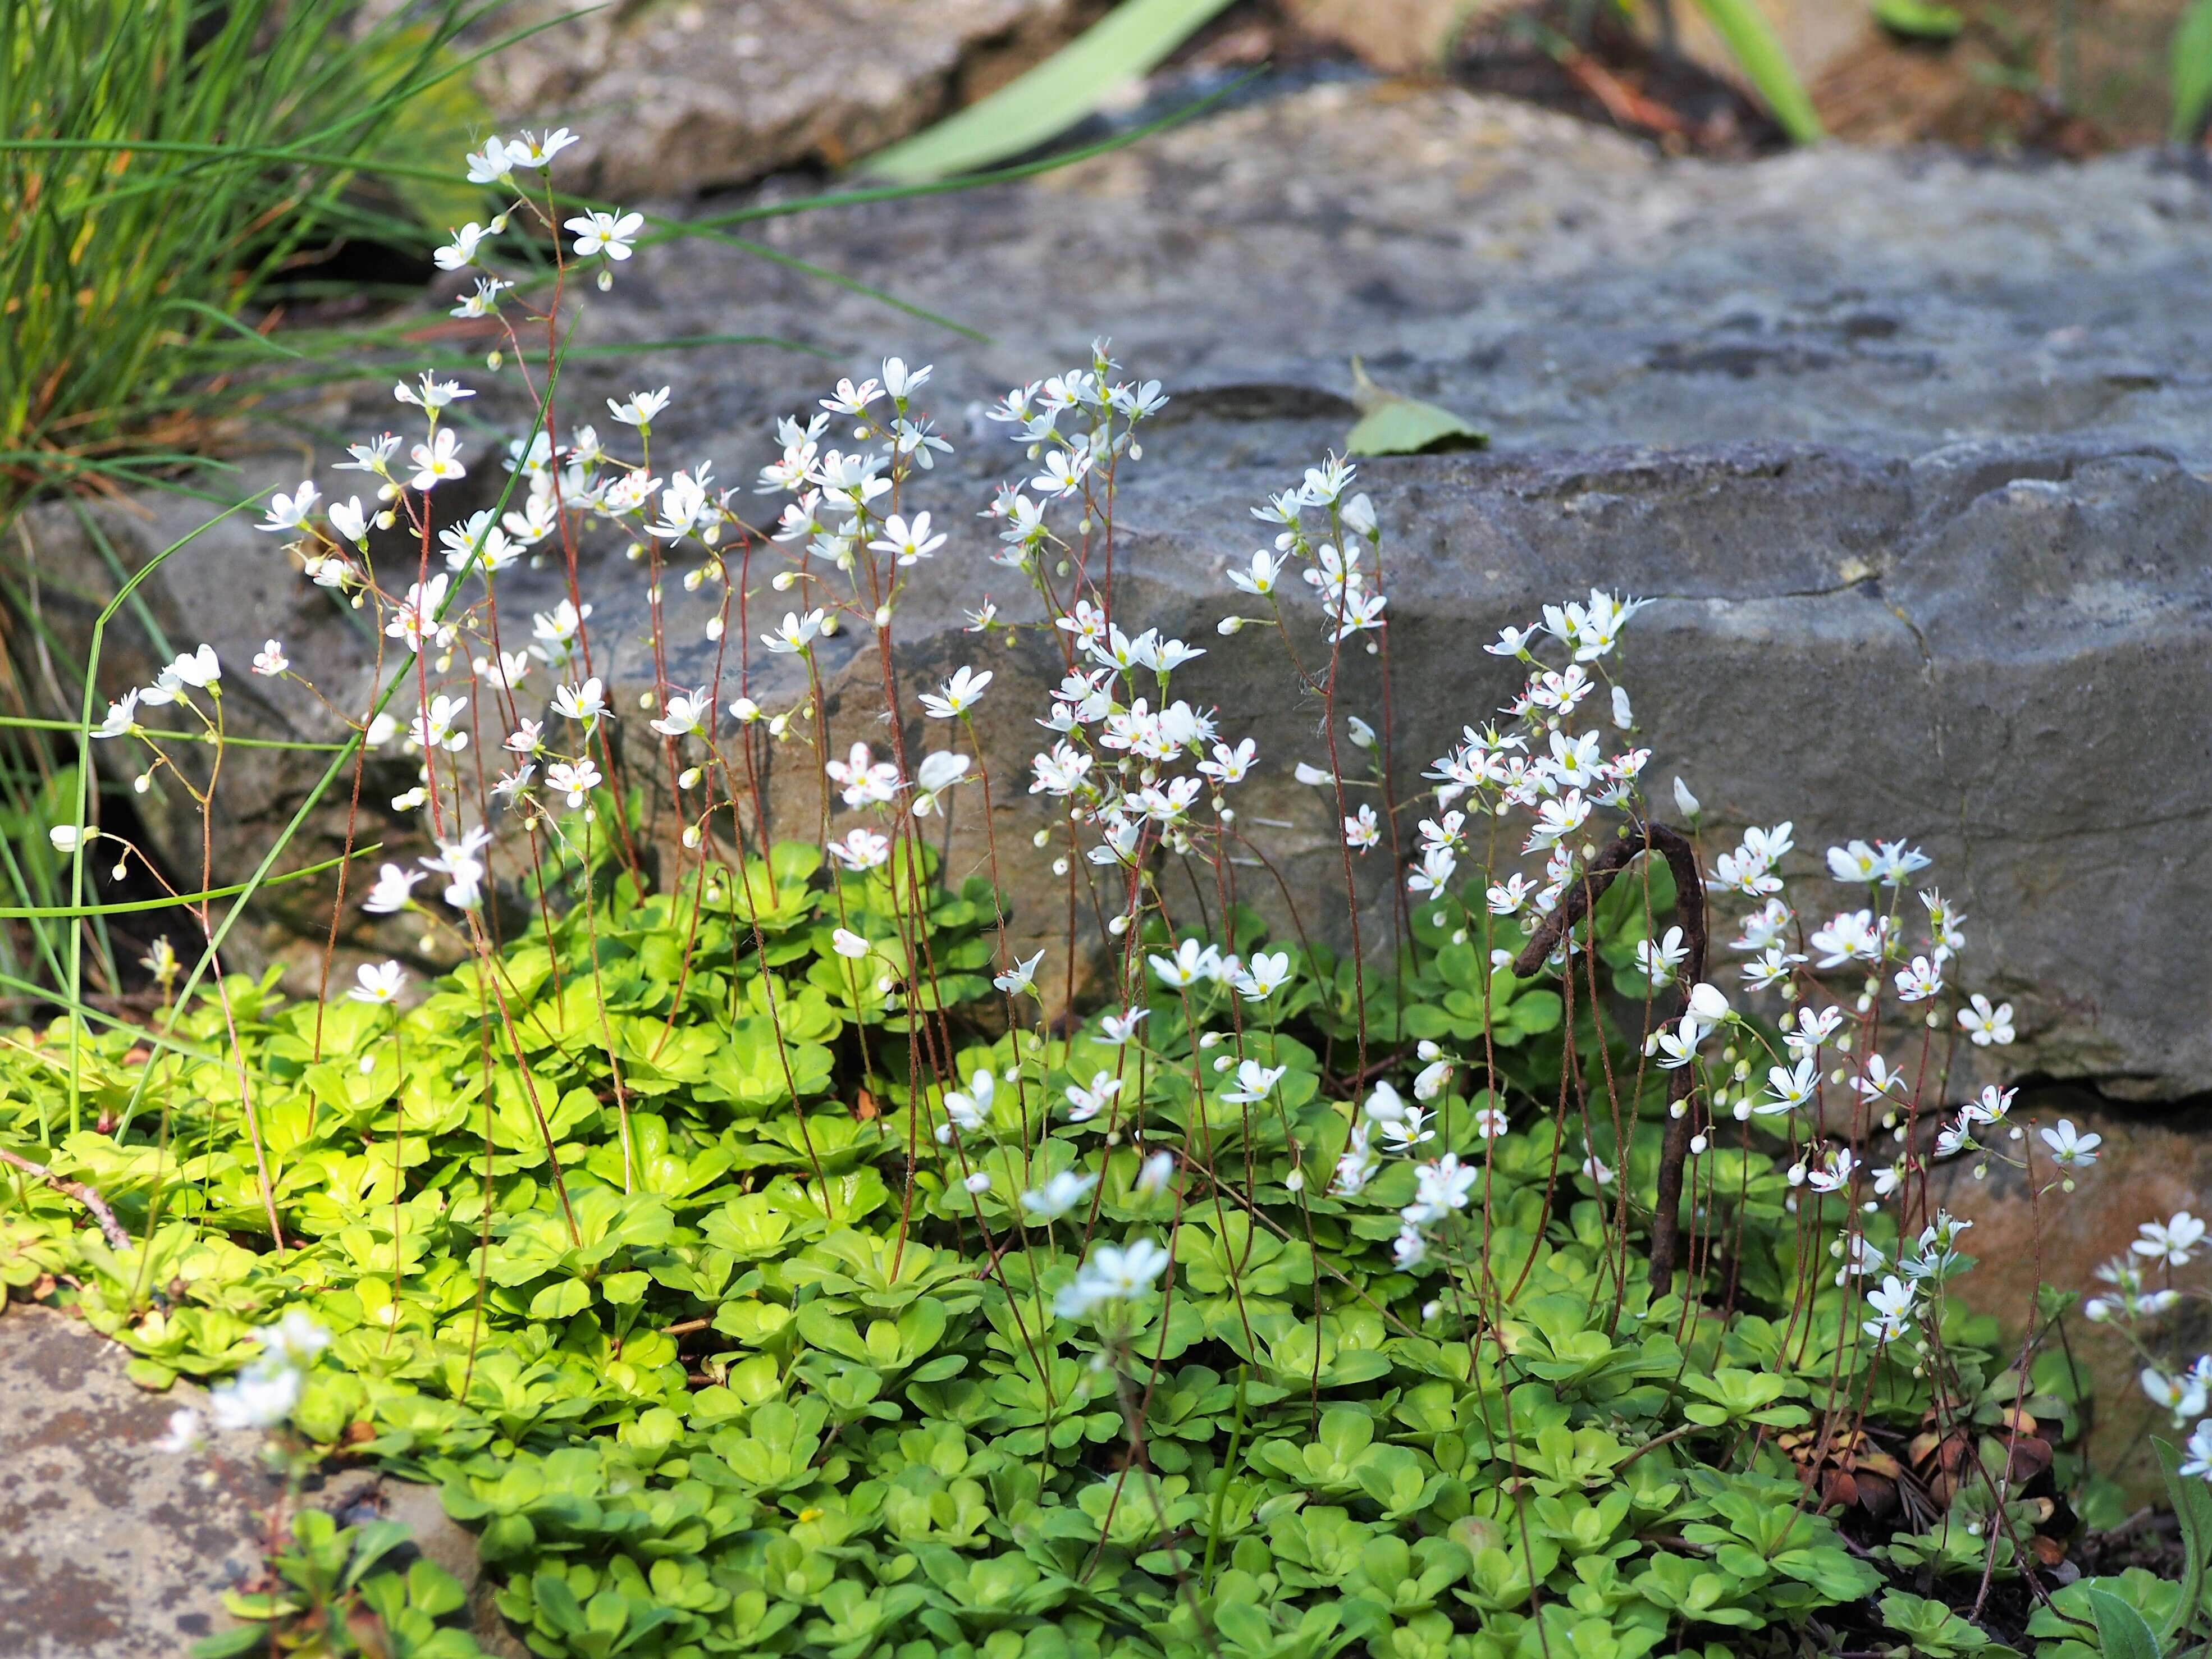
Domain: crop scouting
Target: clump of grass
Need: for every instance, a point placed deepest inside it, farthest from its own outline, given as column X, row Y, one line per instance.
column 168, row 160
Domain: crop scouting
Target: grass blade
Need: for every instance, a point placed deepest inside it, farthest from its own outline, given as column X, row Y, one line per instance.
column 1766, row 66
column 1051, row 98
column 2191, row 63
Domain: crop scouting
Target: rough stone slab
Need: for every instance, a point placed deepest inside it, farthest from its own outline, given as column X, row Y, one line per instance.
column 108, row 1547
column 111, row 1548
column 1911, row 448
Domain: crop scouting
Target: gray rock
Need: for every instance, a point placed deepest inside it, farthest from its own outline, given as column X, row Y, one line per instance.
column 112, row 1548
column 677, row 97
column 1909, row 448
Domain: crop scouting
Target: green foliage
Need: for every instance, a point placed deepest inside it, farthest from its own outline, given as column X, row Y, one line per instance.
column 165, row 163
column 332, row 1602
column 643, row 1249
column 1919, row 19
column 2191, row 69
column 1391, row 423
column 1766, row 65
column 1040, row 105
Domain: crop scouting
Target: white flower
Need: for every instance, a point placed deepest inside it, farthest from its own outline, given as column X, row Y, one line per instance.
column 527, row 151
column 1158, row 1169
column 1362, row 829
column 1439, row 1189
column 436, row 726
column 901, row 381
column 1788, row 1088
column 1490, row 1123
column 288, row 513
column 684, row 713
column 1254, row 1082
column 639, row 409
column 1851, row 936
column 1058, row 1195
column 185, row 1433
column 1857, row 862
column 1083, row 1105
column 794, row 633
column 959, row 694
column 65, row 837
column 1833, row 1173
column 2184, row 1395
column 1677, row 1045
column 377, row 984
column 1114, row 1273
column 979, row 1182
column 2068, row 1146
column 1265, row 974
column 1262, row 577
column 1597, row 1170
column 574, row 780
column 1893, row 1304
column 1505, row 898
column 1191, row 962
column 1658, row 961
column 461, row 863
column 848, row 944
column 608, row 233
column 1990, row 1106
column 438, row 461
column 198, row 669
column 861, row 849
column 1686, row 803
column 121, row 717
column 1812, row 1031
column 260, row 1397
column 585, row 702
column 270, row 660
column 482, row 300
column 1117, row 1029
column 2171, row 1242
column 461, row 253
column 1357, row 1162
column 430, row 392
column 1985, row 1024
column 1019, row 977
column 1924, row 979
column 2199, row 1463
column 1708, row 1004
column 1063, row 473
column 971, row 1109
column 908, row 541
column 394, row 890
column 492, row 163
column 1558, row 819
column 1880, row 1079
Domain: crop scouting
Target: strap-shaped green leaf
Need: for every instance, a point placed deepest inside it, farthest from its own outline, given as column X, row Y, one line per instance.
column 1766, row 65
column 1040, row 105
column 2190, row 67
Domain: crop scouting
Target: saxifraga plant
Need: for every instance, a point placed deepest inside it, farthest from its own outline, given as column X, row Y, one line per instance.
column 760, row 1261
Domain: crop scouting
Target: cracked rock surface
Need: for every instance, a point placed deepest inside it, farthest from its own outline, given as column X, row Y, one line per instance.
column 112, row 1548
column 1912, row 451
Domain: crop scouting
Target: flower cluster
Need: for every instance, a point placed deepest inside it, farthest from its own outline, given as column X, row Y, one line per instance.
column 265, row 1395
